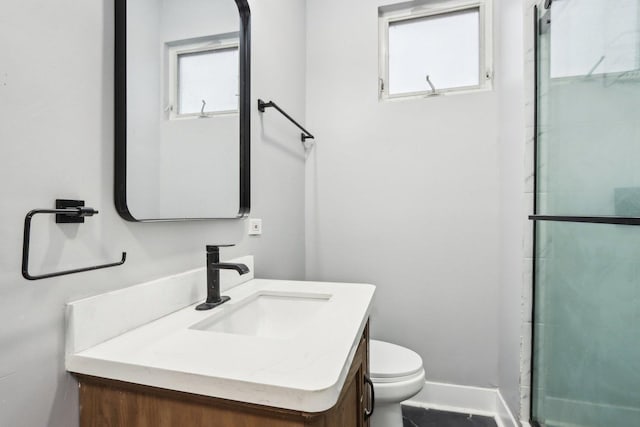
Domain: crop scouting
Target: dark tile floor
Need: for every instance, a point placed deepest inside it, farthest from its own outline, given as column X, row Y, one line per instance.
column 421, row 417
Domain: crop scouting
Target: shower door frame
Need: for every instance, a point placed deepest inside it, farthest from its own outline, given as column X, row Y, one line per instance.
column 534, row 240
column 538, row 6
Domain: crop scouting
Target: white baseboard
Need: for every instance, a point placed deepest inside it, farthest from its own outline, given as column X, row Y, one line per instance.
column 504, row 417
column 465, row 399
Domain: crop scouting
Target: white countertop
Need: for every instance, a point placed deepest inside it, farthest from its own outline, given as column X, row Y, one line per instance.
column 304, row 372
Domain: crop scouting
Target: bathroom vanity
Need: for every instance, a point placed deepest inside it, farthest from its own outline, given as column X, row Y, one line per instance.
column 105, row 402
column 279, row 353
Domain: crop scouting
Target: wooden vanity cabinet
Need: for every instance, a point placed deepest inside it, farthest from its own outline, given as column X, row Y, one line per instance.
column 110, row 403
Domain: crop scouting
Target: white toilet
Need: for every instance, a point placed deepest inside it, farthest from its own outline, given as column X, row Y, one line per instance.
column 397, row 375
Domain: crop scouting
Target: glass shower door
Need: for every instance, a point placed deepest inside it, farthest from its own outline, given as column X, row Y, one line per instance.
column 586, row 358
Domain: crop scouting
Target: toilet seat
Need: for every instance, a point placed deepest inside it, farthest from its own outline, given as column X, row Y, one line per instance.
column 393, row 363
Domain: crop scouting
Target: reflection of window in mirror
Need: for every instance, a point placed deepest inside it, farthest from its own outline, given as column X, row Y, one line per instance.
column 203, row 78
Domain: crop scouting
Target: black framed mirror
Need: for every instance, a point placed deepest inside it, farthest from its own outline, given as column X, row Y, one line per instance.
column 182, row 109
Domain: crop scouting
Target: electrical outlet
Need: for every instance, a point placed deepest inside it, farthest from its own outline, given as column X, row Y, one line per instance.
column 255, row 227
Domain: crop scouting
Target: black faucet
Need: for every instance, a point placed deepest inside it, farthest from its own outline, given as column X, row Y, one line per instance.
column 213, row 277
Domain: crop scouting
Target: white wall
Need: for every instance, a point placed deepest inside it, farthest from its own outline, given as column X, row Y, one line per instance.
column 405, row 195
column 56, row 128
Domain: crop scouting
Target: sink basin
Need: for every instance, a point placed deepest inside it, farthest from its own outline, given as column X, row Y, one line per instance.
column 277, row 315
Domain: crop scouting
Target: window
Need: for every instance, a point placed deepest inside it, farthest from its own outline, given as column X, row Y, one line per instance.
column 203, row 78
column 433, row 49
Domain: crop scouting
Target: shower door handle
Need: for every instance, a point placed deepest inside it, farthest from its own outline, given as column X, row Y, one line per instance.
column 613, row 220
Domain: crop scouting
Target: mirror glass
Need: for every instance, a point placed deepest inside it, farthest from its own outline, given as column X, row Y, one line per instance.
column 182, row 109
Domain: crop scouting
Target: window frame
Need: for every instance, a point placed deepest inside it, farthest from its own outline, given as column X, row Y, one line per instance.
column 174, row 50
column 417, row 10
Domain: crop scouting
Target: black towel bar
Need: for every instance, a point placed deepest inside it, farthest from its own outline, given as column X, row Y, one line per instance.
column 261, row 107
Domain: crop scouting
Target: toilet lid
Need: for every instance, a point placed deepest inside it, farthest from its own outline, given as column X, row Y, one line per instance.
column 390, row 361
